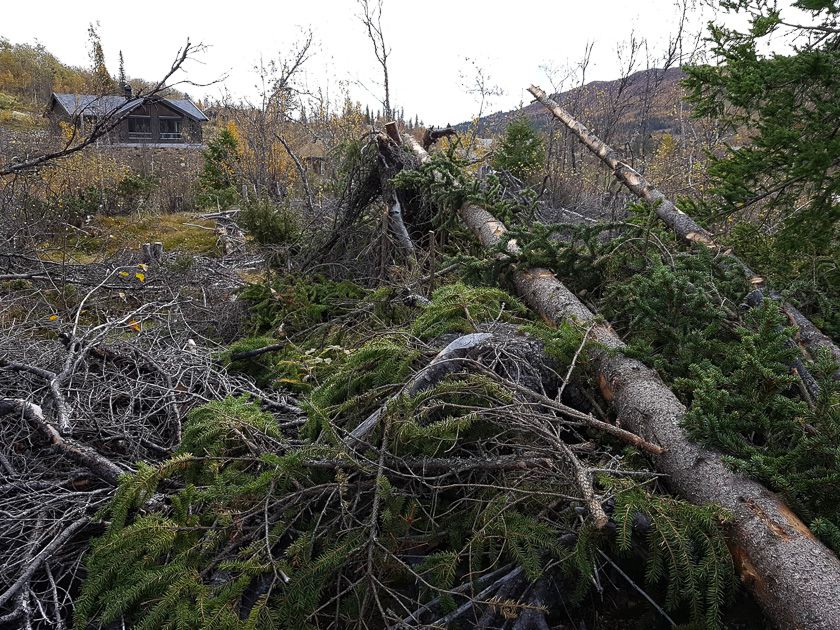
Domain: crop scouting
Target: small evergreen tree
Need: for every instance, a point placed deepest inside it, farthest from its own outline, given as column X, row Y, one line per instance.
column 121, row 78
column 217, row 181
column 521, row 150
column 102, row 81
column 785, row 178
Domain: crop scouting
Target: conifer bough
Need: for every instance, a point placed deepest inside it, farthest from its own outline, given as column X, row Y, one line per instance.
column 794, row 577
column 683, row 225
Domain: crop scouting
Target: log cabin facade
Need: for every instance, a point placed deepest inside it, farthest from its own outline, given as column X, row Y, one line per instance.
column 145, row 120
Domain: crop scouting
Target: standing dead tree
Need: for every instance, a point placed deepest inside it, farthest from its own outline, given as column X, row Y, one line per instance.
column 683, row 225
column 371, row 17
column 792, row 575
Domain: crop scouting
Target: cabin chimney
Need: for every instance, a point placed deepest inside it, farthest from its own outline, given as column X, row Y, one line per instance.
column 127, row 91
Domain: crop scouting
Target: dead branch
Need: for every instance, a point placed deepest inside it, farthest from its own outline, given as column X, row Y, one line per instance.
column 74, row 451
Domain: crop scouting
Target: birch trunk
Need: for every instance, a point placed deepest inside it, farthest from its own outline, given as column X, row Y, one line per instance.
column 396, row 223
column 685, row 227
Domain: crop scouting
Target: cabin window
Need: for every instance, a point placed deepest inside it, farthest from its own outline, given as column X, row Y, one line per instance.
column 139, row 128
column 170, row 128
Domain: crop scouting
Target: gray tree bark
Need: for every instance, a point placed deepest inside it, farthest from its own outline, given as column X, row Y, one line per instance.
column 793, row 576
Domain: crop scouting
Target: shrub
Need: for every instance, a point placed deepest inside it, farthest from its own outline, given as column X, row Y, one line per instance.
column 269, row 223
column 217, row 181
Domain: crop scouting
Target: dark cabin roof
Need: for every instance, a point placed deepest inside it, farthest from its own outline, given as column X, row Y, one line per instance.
column 93, row 105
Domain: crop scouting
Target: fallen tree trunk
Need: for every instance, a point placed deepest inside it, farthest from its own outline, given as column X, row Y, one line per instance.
column 794, row 577
column 683, row 225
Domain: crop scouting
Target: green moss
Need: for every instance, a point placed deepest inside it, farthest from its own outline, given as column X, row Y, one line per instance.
column 298, row 303
column 106, row 235
column 358, row 384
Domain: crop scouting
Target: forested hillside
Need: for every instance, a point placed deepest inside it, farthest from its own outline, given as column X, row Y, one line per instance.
column 643, row 101
column 569, row 366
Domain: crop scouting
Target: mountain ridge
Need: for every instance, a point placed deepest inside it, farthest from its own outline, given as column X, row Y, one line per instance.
column 650, row 97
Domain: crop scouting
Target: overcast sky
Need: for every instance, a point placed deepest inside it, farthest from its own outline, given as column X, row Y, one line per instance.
column 432, row 42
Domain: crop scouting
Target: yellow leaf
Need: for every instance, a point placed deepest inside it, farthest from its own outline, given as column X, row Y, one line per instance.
column 124, row 274
column 53, row 318
column 134, row 325
column 140, row 276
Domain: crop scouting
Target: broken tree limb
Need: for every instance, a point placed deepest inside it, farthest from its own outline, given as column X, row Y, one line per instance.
column 586, row 418
column 683, row 225
column 442, row 365
column 71, row 449
column 301, row 172
column 432, row 135
column 396, row 224
column 250, row 354
column 794, row 577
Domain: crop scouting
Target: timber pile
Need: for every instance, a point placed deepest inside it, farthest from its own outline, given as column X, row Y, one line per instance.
column 339, row 512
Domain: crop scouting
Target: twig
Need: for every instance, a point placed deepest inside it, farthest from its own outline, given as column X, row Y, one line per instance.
column 637, row 588
column 39, row 559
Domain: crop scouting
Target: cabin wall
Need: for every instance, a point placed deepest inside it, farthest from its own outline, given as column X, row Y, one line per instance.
column 191, row 130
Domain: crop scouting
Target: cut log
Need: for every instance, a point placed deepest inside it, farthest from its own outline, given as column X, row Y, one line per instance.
column 793, row 576
column 152, row 252
column 683, row 225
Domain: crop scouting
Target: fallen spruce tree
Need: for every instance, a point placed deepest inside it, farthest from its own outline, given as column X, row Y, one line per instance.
column 451, row 470
column 688, row 229
column 794, row 577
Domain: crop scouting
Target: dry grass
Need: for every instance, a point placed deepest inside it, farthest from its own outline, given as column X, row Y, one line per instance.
column 105, row 236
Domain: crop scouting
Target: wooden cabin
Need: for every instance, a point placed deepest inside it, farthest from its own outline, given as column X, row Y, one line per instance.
column 144, row 120
column 313, row 154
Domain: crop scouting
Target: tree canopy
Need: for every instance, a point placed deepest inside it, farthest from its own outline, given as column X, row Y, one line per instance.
column 781, row 169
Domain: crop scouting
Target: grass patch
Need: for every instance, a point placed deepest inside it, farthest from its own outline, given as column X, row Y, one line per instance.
column 104, row 236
